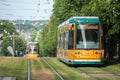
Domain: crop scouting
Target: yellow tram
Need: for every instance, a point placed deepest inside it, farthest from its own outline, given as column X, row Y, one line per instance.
column 80, row 41
column 32, row 50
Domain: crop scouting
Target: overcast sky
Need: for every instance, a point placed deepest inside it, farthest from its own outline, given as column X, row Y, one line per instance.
column 26, row 9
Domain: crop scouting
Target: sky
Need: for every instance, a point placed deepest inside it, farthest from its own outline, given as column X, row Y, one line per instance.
column 26, row 9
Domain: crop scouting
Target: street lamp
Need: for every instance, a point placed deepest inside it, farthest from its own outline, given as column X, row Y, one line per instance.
column 1, row 36
column 12, row 38
column 13, row 43
column 7, row 35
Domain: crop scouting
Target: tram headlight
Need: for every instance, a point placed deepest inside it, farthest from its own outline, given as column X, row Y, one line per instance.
column 78, row 53
column 96, row 52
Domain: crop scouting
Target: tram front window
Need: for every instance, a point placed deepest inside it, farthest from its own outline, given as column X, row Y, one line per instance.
column 32, row 51
column 87, row 37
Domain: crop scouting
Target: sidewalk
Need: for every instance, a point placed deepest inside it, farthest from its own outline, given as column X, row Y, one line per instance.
column 7, row 78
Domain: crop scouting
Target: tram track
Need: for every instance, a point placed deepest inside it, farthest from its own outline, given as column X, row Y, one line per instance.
column 62, row 71
column 53, row 69
column 29, row 69
column 29, row 72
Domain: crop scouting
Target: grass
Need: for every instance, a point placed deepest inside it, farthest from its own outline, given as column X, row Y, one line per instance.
column 76, row 73
column 93, row 70
column 13, row 67
column 114, row 68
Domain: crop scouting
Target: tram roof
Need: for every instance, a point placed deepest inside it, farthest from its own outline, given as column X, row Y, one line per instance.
column 82, row 19
column 32, row 43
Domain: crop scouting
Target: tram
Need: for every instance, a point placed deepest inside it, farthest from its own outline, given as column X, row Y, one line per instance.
column 80, row 41
column 32, row 50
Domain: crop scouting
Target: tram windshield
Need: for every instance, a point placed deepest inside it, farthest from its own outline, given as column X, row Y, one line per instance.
column 87, row 36
column 32, row 51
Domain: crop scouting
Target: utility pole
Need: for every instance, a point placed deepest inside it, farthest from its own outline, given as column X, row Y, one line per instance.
column 1, row 36
column 13, row 44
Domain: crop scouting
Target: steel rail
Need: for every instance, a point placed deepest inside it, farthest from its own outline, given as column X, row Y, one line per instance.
column 53, row 70
column 29, row 74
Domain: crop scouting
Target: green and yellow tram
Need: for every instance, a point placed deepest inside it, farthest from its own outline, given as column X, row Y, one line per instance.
column 32, row 50
column 80, row 41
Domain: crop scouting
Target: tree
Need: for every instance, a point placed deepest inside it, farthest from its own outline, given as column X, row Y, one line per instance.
column 8, row 26
column 8, row 41
column 8, row 31
column 47, row 39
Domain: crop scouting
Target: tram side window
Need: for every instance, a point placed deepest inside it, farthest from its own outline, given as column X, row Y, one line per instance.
column 66, row 40
column 79, row 36
column 71, row 39
column 63, row 40
column 58, row 41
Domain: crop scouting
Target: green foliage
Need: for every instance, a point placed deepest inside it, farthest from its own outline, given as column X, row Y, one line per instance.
column 33, row 35
column 20, row 43
column 107, row 10
column 8, row 30
column 8, row 26
column 48, row 41
column 8, row 41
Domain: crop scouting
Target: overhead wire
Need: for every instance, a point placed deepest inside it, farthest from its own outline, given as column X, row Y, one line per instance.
column 37, row 10
column 47, row 2
column 12, row 2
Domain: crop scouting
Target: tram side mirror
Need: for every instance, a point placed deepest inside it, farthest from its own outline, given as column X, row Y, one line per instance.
column 71, row 39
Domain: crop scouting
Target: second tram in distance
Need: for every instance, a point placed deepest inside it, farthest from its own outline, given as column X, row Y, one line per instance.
column 80, row 41
column 32, row 50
